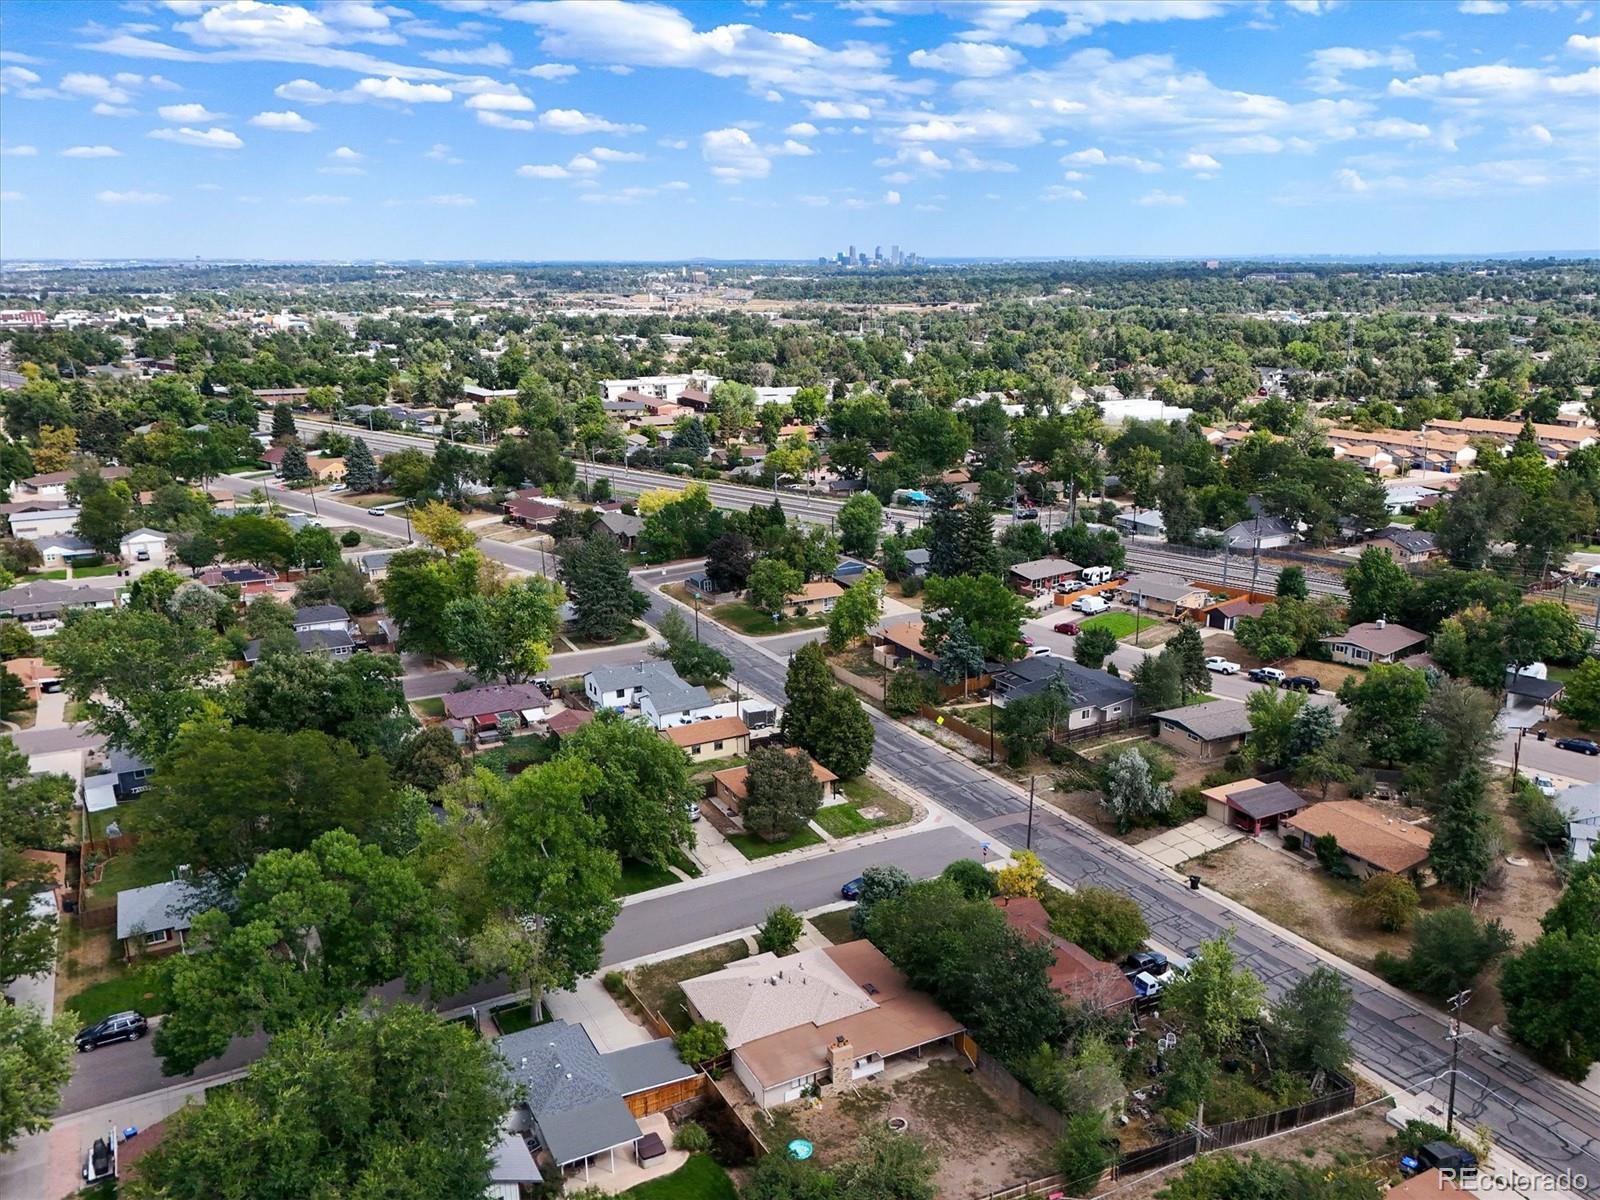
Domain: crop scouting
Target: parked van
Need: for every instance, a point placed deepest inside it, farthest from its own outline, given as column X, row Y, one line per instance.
column 1089, row 605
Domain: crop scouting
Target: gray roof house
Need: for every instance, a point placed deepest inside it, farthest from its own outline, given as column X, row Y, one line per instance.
column 1210, row 730
column 675, row 702
column 919, row 560
column 576, row 1097
column 336, row 643
column 321, row 616
column 155, row 917
column 1258, row 533
column 622, row 527
column 1097, row 698
column 620, row 687
column 1582, row 806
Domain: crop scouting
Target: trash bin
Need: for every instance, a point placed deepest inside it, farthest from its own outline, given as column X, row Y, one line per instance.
column 1194, row 883
column 1541, row 735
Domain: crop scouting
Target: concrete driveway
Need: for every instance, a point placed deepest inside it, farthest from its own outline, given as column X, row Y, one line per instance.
column 1199, row 836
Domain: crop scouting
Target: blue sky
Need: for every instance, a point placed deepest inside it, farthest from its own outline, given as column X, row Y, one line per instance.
column 601, row 129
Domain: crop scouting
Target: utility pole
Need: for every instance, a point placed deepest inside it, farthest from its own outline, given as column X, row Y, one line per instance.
column 1456, row 1004
column 1029, row 844
column 991, row 725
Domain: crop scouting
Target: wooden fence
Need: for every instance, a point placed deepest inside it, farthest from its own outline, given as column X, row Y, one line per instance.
column 653, row 1021
column 977, row 736
column 1034, row 1187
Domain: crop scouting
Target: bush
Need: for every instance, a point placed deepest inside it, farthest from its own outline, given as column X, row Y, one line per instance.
column 1388, row 902
column 781, row 931
column 350, row 537
column 692, row 1137
column 972, row 877
column 911, row 585
column 702, row 1042
column 1541, row 821
column 1186, row 806
column 1417, row 1134
column 1083, row 1153
column 614, row 983
column 1330, row 856
column 1105, row 923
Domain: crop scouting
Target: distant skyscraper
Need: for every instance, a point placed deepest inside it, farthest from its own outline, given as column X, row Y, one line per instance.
column 877, row 254
column 894, row 256
column 852, row 255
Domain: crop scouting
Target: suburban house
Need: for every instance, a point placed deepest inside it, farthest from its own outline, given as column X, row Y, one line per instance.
column 1258, row 533
column 567, row 720
column 497, row 708
column 720, row 737
column 893, row 644
column 731, row 786
column 1402, row 497
column 1144, row 523
column 1075, row 975
column 1374, row 642
column 1251, row 805
column 132, row 773
column 1373, row 842
column 817, row 596
column 1227, row 616
column 273, row 457
column 330, row 618
column 1581, row 804
column 53, row 484
column 532, row 513
column 623, row 528
column 40, row 607
column 675, row 702
column 375, row 563
column 621, row 687
column 1096, row 697
column 154, row 919
column 145, row 545
column 848, row 571
column 335, row 643
column 39, row 523
column 1424, row 450
column 1556, row 441
column 1404, row 544
column 918, row 559
column 1166, row 595
column 55, row 549
column 326, row 470
column 827, row 1017
column 36, row 676
column 1206, row 731
column 1532, row 688
column 581, row 1104
column 1042, row 574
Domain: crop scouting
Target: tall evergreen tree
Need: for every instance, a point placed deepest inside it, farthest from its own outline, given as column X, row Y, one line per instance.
column 360, row 469
column 944, row 533
column 294, row 467
column 807, row 687
column 597, row 580
column 1465, row 840
column 282, row 421
column 1190, row 652
column 979, row 553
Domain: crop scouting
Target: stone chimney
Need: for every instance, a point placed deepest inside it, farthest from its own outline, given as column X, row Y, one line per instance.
column 841, row 1061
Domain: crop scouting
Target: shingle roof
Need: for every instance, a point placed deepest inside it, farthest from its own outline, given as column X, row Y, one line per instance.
column 313, row 614
column 1029, row 676
column 1367, row 833
column 1212, row 720
column 568, row 720
column 570, row 1091
column 494, row 698
column 645, row 1066
column 622, row 524
column 309, row 641
column 1159, row 587
column 1376, row 638
column 632, row 675
column 1412, row 541
column 673, row 696
column 716, row 729
column 1267, row 800
column 763, row 995
column 156, row 907
column 1045, row 568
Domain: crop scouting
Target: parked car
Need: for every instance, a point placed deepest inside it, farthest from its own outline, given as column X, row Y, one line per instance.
column 1546, row 785
column 1070, row 628
column 1222, row 666
column 1040, row 652
column 1027, row 639
column 1578, row 745
column 1027, row 514
column 852, row 890
column 1089, row 605
column 340, row 487
column 1303, row 683
column 1265, row 675
column 1439, row 1156
column 377, row 512
column 694, row 811
column 118, row 1027
column 1146, row 985
column 1150, row 962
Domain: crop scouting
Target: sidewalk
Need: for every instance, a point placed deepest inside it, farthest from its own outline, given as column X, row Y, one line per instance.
column 590, row 1005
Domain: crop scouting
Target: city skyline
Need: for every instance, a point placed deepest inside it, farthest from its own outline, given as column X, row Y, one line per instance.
column 482, row 129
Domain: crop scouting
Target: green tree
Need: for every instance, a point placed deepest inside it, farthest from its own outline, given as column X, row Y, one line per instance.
column 1544, row 630
column 596, row 577
column 1217, row 999
column 407, row 472
column 1106, row 923
column 993, row 613
column 1449, row 949
column 771, row 582
column 1310, row 1022
column 856, row 612
column 360, row 468
column 847, row 748
column 429, row 759
column 316, row 547
column 224, row 797
column 293, row 466
column 1093, row 646
column 780, row 932
column 1023, row 726
column 136, row 674
column 702, row 1042
column 904, row 694
column 1084, row 1152
column 1132, row 796
column 641, row 793
column 1158, row 682
column 1466, row 837
column 1580, row 701
column 33, row 815
column 1292, row 584
column 1187, row 647
column 1549, row 990
column 418, row 589
column 282, row 422
column 1385, row 709
column 860, row 521
column 1272, row 717
column 36, row 1055
column 971, row 876
column 729, row 559
column 393, row 1102
column 105, row 516
column 264, row 541
column 782, row 794
column 508, row 633
column 1388, row 902
column 883, row 881
column 13, row 695
column 960, row 656
column 806, row 689
column 1378, row 586
column 887, row 1166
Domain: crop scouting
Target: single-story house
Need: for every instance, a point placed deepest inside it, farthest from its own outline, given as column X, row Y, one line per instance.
column 827, row 1017
column 1527, row 690
column 621, row 687
column 56, row 548
column 817, row 596
column 1258, row 533
column 918, row 558
column 1075, row 975
column 39, row 607
column 494, row 708
column 1251, row 805
column 52, row 485
column 1042, row 574
column 335, row 643
column 38, row 523
column 326, row 470
column 132, row 772
column 1167, row 595
column 1206, row 731
column 154, row 919
column 1228, row 615
column 1145, row 523
column 675, row 702
column 1404, row 544
column 1582, row 807
column 582, row 1104
column 36, row 676
column 848, row 571
column 568, row 720
column 274, row 458
column 893, row 644
column 145, row 545
column 532, row 513
column 1096, row 697
column 1373, row 842
column 720, row 737
column 1374, row 642
column 623, row 528
column 731, row 786
column 375, row 563
column 330, row 617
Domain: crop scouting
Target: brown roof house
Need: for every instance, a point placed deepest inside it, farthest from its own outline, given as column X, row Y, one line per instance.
column 1374, row 642
column 1373, row 842
column 1404, row 544
column 828, row 1017
column 1075, row 975
column 1168, row 595
column 1214, row 729
column 720, row 737
column 817, row 596
column 732, row 790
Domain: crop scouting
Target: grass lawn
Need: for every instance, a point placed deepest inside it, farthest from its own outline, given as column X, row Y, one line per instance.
column 124, row 871
column 1123, row 624
column 698, row 1179
column 864, row 793
column 429, row 706
column 842, row 821
column 92, row 572
column 142, row 989
column 633, row 633
column 748, row 620
column 657, row 983
column 98, row 821
column 514, row 1018
column 751, row 846
column 835, row 926
column 61, row 574
column 641, row 877
column 518, row 752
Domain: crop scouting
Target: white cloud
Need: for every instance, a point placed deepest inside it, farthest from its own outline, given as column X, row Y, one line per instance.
column 571, row 121
column 491, row 55
column 1199, row 162
column 542, row 171
column 501, row 102
column 891, row 197
column 1584, row 46
column 834, row 110
column 306, row 92
column 1326, row 68
column 1017, row 21
column 608, row 155
column 1538, row 134
column 1057, row 191
column 91, row 152
column 131, row 197
column 501, row 121
column 346, row 154
column 734, row 156
column 582, row 164
column 324, row 198
column 802, row 129
column 197, row 114
column 9, row 195
column 439, row 152
column 1096, row 157
column 95, row 87
column 22, row 151
column 1156, row 198
column 977, row 59
column 402, row 91
column 102, row 109
column 283, row 122
column 452, row 200
column 206, row 139
column 1482, row 8
column 549, row 71
column 1396, row 129
column 1313, row 8
column 915, row 157
column 1350, row 180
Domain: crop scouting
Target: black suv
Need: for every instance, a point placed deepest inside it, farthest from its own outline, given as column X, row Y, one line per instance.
column 1302, row 683
column 118, row 1027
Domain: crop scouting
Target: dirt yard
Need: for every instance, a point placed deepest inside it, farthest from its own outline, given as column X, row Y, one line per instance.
column 1329, row 675
column 979, row 1145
